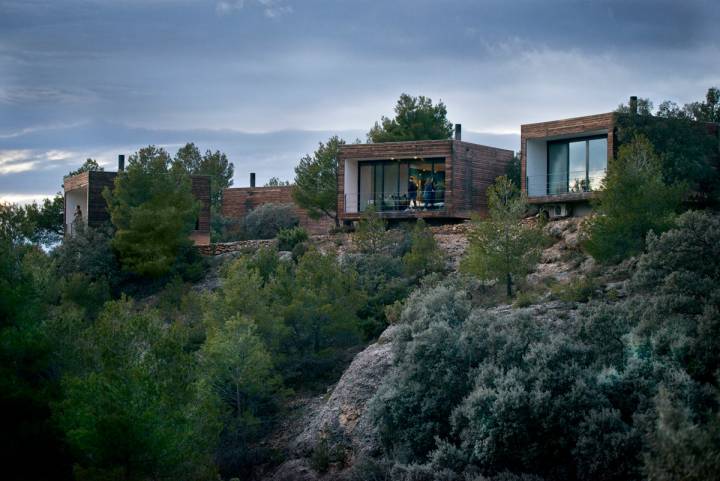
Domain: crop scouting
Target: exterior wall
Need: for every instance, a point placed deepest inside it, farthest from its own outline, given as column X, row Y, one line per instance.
column 535, row 136
column 239, row 201
column 474, row 168
column 536, row 170
column 469, row 170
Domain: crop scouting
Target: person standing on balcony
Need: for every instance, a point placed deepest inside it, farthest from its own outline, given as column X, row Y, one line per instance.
column 412, row 193
column 77, row 218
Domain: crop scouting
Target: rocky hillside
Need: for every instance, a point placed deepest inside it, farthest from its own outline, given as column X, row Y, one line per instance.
column 328, row 433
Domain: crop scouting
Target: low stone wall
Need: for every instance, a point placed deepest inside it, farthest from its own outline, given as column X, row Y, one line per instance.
column 239, row 246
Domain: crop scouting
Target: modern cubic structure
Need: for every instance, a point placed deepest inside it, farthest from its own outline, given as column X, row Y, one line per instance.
column 563, row 162
column 443, row 179
column 84, row 191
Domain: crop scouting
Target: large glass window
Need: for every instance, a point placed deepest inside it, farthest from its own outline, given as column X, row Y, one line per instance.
column 397, row 185
column 576, row 165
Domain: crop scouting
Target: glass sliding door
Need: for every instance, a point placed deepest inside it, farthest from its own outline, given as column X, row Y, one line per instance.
column 365, row 188
column 392, row 185
column 576, row 165
column 557, row 168
column 577, row 173
column 597, row 162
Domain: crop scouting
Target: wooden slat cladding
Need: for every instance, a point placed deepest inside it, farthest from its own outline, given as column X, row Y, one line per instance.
column 565, row 127
column 469, row 170
column 239, row 201
column 201, row 192
column 97, row 207
column 477, row 167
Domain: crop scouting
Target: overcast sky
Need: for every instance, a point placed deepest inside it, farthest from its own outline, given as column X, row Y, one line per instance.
column 265, row 80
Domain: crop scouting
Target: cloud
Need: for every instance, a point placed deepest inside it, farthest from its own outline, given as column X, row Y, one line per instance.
column 22, row 199
column 270, row 8
column 15, row 161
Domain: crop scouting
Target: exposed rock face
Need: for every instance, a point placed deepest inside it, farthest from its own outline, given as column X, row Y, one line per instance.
column 563, row 260
column 342, row 421
column 343, row 418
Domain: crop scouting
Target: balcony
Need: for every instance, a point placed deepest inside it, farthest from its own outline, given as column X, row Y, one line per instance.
column 572, row 185
column 398, row 203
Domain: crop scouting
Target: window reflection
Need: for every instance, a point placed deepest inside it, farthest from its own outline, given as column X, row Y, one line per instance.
column 398, row 185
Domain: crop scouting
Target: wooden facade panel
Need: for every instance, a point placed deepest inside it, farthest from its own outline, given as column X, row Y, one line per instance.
column 239, row 201
column 201, row 192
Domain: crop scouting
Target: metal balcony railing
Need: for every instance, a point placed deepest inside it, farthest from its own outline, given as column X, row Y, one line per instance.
column 395, row 202
column 561, row 183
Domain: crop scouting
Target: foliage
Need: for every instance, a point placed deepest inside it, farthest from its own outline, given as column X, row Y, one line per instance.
column 213, row 164
column 634, row 200
column 35, row 223
column 424, row 256
column 689, row 149
column 619, row 391
column 131, row 410
column 267, row 220
column 513, row 171
column 501, row 247
column 416, row 118
column 289, row 238
column 88, row 252
column 276, row 182
column 153, row 211
column 90, row 165
column 238, row 368
column 371, row 233
column 27, row 383
column 316, row 180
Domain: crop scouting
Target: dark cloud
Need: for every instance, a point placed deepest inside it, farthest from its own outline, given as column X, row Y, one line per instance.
column 75, row 73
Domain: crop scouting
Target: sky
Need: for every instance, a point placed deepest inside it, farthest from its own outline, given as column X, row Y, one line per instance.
column 266, row 80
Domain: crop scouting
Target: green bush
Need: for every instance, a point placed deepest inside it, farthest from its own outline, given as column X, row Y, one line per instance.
column 424, row 255
column 580, row 289
column 265, row 221
column 634, row 201
column 289, row 238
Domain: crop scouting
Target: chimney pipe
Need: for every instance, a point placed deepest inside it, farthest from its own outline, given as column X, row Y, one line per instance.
column 121, row 162
column 252, row 179
column 633, row 105
column 458, row 132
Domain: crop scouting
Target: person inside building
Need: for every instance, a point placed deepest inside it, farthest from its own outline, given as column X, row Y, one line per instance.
column 429, row 193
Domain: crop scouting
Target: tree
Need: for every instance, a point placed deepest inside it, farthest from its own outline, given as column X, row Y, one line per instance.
column 513, row 171
column 633, row 201
column 501, row 247
column 34, row 223
column 316, row 181
column 416, row 118
column 687, row 148
column 90, row 165
column 131, row 410
column 371, row 233
column 424, row 255
column 276, row 182
column 238, row 368
column 213, row 164
column 153, row 211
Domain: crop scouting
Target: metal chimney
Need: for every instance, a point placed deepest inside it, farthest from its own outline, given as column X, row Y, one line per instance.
column 633, row 105
column 252, row 179
column 121, row 162
column 458, row 132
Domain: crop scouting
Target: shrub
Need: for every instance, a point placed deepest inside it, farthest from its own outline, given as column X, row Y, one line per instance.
column 580, row 289
column 289, row 238
column 371, row 233
column 424, row 255
column 634, row 200
column 265, row 221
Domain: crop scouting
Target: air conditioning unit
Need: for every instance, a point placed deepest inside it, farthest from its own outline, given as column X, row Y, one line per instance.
column 556, row 211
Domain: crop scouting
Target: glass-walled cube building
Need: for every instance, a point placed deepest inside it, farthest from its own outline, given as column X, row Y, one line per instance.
column 432, row 178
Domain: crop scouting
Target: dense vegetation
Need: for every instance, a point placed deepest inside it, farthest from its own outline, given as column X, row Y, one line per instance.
column 615, row 390
column 182, row 384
